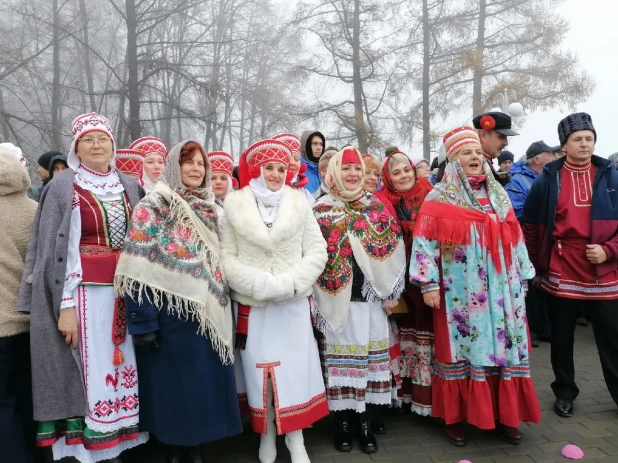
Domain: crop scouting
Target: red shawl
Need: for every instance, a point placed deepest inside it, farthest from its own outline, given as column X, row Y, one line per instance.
column 301, row 180
column 406, row 204
column 451, row 210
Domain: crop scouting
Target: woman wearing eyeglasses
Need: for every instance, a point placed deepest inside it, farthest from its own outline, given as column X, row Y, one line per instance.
column 84, row 373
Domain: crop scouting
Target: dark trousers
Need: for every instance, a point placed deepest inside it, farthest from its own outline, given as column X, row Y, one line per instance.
column 17, row 429
column 604, row 318
column 537, row 313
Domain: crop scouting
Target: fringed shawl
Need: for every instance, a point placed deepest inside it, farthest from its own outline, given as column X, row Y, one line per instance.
column 172, row 247
column 359, row 229
column 451, row 210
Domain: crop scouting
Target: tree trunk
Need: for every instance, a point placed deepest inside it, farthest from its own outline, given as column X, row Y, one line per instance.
column 479, row 69
column 55, row 98
column 3, row 118
column 133, row 81
column 86, row 47
column 359, row 119
column 426, row 67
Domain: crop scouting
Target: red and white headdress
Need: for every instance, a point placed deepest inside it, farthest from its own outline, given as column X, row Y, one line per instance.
column 130, row 162
column 460, row 138
column 259, row 154
column 220, row 161
column 150, row 145
column 81, row 126
column 290, row 140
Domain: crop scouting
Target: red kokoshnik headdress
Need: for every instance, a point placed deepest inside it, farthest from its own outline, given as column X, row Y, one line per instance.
column 150, row 145
column 259, row 154
column 221, row 162
column 293, row 143
column 130, row 162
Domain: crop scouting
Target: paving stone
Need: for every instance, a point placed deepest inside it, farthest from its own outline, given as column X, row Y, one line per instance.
column 417, row 459
column 609, row 449
column 485, row 453
column 515, row 459
column 527, row 449
column 414, row 439
column 351, row 458
column 389, row 454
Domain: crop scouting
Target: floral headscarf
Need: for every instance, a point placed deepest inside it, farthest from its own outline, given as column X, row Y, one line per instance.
column 357, row 227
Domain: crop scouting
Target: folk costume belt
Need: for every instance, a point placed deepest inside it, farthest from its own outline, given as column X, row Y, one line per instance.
column 98, row 269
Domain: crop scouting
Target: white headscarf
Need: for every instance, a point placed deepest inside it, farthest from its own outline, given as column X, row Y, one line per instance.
column 267, row 200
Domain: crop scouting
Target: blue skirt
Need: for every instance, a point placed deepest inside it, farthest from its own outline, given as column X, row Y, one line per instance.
column 188, row 397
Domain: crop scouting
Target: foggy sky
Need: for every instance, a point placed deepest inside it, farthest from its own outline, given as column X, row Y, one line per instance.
column 593, row 36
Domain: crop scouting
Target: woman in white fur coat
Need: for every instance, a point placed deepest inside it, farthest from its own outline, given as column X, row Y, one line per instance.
column 272, row 252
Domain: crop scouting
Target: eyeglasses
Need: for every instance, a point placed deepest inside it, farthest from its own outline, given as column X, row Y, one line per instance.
column 102, row 141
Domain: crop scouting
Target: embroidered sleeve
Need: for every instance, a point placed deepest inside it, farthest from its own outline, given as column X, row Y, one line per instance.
column 73, row 275
column 424, row 269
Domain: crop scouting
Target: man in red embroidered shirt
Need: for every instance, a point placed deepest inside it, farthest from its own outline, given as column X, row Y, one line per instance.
column 570, row 223
column 493, row 129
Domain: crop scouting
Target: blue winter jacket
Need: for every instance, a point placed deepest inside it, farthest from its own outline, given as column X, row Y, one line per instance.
column 518, row 188
column 313, row 174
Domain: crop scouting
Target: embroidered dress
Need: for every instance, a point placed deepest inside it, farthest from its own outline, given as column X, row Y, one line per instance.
column 481, row 365
column 415, row 329
column 365, row 269
column 105, row 353
column 289, row 359
column 571, row 275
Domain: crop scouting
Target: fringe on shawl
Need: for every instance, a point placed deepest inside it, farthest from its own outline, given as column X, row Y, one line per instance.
column 177, row 306
column 452, row 231
column 369, row 293
column 320, row 322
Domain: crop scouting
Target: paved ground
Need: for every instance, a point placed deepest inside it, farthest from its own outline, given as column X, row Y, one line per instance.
column 420, row 440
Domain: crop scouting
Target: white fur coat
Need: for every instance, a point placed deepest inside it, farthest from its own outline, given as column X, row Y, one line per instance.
column 276, row 265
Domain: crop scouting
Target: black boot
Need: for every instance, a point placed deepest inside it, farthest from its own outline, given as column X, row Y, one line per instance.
column 193, row 455
column 172, row 454
column 367, row 441
column 377, row 425
column 343, row 435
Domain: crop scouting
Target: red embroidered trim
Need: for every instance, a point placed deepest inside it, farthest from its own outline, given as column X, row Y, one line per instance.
column 73, row 275
column 97, row 174
column 109, row 407
column 129, row 376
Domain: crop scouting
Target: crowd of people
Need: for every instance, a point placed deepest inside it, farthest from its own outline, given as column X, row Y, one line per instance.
column 168, row 293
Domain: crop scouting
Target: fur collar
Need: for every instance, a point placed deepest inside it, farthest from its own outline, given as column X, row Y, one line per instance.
column 242, row 212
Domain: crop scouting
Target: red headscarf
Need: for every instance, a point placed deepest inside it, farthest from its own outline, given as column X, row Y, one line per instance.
column 406, row 204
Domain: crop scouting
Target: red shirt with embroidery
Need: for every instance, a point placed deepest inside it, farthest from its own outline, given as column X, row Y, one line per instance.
column 571, row 275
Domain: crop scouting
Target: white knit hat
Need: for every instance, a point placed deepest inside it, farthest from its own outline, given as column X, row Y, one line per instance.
column 81, row 126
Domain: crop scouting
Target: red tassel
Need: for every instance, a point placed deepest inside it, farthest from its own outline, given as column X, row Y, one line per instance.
column 118, row 357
